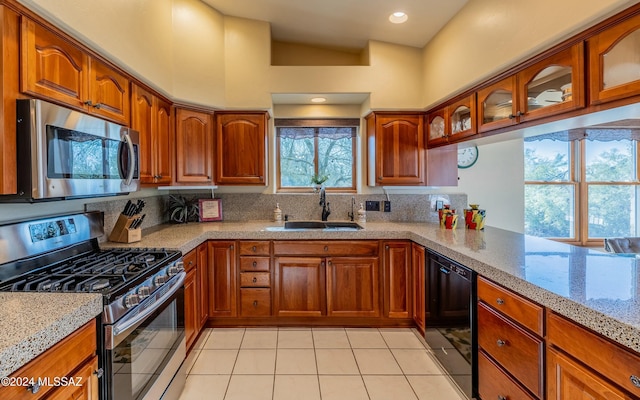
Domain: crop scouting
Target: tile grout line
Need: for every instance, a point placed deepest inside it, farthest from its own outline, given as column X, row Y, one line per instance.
column 226, row 391
column 357, row 365
column 400, row 366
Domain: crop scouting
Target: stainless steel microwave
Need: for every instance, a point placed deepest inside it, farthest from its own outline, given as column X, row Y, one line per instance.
column 63, row 154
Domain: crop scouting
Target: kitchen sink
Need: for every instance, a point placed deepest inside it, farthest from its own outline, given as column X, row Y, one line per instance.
column 317, row 225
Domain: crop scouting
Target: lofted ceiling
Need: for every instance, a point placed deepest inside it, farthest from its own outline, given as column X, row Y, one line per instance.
column 345, row 24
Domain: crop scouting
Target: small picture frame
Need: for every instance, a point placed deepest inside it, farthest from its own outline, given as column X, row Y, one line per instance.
column 210, row 210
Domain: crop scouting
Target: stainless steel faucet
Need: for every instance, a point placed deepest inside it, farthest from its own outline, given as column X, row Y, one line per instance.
column 326, row 210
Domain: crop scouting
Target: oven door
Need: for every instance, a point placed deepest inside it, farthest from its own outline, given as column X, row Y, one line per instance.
column 145, row 349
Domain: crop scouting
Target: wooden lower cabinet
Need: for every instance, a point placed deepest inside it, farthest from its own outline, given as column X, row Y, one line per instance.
column 73, row 357
column 353, row 287
column 222, row 279
column 255, row 302
column 418, row 278
column 300, row 286
column 494, row 383
column 202, row 273
column 397, row 280
column 190, row 308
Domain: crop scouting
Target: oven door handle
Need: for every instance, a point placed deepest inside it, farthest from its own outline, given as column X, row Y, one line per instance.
column 132, row 159
column 136, row 319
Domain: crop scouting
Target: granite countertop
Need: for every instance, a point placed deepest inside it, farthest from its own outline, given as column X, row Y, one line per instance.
column 31, row 323
column 598, row 290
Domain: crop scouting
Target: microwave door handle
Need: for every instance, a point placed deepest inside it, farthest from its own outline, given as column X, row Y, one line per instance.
column 132, row 160
column 135, row 320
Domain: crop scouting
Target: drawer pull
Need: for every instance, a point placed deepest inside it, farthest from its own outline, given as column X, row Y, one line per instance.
column 500, row 301
column 326, row 248
column 255, row 303
column 255, row 264
column 501, row 397
column 254, row 280
column 34, row 388
column 254, row 248
column 500, row 342
column 635, row 380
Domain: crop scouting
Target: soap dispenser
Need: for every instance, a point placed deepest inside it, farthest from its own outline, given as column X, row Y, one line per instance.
column 362, row 214
column 277, row 213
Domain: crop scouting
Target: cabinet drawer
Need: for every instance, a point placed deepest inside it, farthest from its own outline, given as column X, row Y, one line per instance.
column 251, row 248
column 255, row 279
column 612, row 361
column 255, row 302
column 328, row 248
column 515, row 349
column 521, row 310
column 493, row 383
column 254, row 264
column 190, row 260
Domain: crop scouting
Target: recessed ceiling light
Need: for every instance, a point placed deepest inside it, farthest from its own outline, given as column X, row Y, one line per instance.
column 318, row 100
column 398, row 17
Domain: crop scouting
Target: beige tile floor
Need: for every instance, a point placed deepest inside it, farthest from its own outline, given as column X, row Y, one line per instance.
column 310, row 364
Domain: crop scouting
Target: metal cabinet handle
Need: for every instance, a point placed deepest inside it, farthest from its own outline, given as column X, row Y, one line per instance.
column 231, row 247
column 255, row 303
column 99, row 372
column 254, row 249
column 326, row 248
column 635, row 380
column 255, row 264
column 501, row 397
column 500, row 301
column 500, row 342
column 88, row 103
column 97, row 106
column 255, row 279
column 34, row 387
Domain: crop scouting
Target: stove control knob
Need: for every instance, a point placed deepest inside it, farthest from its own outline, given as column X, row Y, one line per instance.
column 131, row 300
column 175, row 268
column 143, row 292
column 160, row 279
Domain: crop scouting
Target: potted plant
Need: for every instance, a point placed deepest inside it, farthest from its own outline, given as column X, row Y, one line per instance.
column 182, row 210
column 318, row 180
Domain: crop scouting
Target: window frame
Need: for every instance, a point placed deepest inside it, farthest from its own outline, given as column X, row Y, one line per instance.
column 316, row 124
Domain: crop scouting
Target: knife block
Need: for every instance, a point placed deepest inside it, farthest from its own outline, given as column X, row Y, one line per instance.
column 122, row 233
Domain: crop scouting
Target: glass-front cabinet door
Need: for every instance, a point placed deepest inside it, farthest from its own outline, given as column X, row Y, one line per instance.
column 436, row 128
column 497, row 105
column 614, row 62
column 462, row 118
column 553, row 85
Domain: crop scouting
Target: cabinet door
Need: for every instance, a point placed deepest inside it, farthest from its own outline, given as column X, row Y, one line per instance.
column 163, row 142
column 461, row 118
column 418, row 268
column 194, row 147
column 399, row 150
column 614, row 60
column 109, row 92
column 190, row 308
column 437, row 127
column 300, row 287
column 222, row 279
column 141, row 121
column 568, row 379
column 553, row 85
column 202, row 280
column 51, row 67
column 397, row 280
column 241, row 148
column 497, row 105
column 353, row 287
column 85, row 384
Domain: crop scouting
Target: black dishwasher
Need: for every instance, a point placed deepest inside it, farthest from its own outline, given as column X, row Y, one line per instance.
column 450, row 320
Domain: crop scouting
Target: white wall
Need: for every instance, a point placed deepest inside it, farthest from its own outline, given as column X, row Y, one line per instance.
column 496, row 182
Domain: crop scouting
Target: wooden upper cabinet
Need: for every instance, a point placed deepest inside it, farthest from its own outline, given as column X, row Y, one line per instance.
column 396, row 148
column 497, row 105
column 241, row 143
column 52, row 67
column 194, row 147
column 151, row 117
column 614, row 61
column 55, row 69
column 553, row 85
column 453, row 122
column 109, row 92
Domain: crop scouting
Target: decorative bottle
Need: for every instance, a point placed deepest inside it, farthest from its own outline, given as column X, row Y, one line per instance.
column 362, row 214
column 277, row 213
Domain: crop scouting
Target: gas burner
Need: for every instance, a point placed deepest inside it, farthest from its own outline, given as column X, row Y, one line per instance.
column 146, row 258
column 124, row 268
column 97, row 284
column 48, row 285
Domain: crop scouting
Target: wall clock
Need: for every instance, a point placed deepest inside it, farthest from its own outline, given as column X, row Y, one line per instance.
column 467, row 157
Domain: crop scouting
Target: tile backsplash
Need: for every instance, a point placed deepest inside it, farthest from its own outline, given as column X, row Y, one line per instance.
column 259, row 207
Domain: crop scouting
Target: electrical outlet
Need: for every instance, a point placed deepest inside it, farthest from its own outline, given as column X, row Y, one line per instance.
column 371, row 205
column 387, row 206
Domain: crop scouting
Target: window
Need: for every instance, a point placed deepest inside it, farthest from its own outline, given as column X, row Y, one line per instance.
column 307, row 148
column 582, row 190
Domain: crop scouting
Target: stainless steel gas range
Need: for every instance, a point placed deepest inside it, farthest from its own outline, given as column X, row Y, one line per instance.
column 141, row 340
